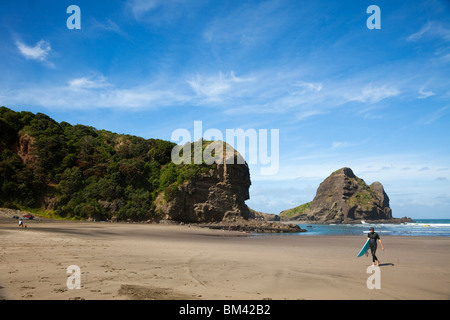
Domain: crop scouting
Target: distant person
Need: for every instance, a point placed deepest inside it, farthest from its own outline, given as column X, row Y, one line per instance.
column 20, row 223
column 373, row 245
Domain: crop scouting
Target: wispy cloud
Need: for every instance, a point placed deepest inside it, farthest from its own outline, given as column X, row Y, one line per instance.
column 39, row 52
column 107, row 26
column 243, row 26
column 425, row 94
column 373, row 94
column 437, row 33
column 436, row 115
column 304, row 114
column 267, row 91
column 340, row 144
column 214, row 88
column 402, row 186
column 305, row 87
column 95, row 92
column 141, row 7
column 388, row 167
column 431, row 29
column 276, row 91
column 92, row 82
column 159, row 12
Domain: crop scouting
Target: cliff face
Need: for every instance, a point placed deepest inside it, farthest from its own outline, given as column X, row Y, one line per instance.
column 211, row 197
column 343, row 197
column 25, row 149
column 216, row 199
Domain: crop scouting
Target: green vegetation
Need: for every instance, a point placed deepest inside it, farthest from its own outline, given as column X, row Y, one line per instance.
column 301, row 209
column 78, row 172
column 363, row 197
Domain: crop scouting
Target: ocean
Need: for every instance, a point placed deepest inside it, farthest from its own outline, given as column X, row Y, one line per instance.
column 420, row 227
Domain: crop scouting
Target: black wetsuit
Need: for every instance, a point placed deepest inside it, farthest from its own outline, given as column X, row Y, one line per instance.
column 373, row 244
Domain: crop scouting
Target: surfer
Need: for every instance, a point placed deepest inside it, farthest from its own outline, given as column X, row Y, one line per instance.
column 373, row 245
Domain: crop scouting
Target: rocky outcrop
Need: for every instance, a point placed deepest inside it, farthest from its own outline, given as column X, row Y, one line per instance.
column 211, row 197
column 216, row 200
column 255, row 226
column 262, row 216
column 345, row 198
column 25, row 149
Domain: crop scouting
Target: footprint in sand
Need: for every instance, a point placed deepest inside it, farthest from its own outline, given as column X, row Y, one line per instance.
column 28, row 287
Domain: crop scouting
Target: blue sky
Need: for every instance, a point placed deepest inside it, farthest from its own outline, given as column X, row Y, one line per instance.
column 377, row 101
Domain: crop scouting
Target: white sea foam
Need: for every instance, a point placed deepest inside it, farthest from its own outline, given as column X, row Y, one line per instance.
column 422, row 227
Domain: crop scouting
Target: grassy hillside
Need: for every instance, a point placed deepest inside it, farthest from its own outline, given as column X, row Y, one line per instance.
column 297, row 211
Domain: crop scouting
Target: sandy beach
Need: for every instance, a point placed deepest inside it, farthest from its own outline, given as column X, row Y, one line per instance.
column 120, row 261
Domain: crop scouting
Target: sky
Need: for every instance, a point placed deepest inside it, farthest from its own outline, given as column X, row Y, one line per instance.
column 339, row 93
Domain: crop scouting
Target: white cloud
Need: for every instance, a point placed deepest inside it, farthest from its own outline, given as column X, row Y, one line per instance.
column 247, row 25
column 371, row 94
column 210, row 87
column 214, row 88
column 94, row 92
column 138, row 97
column 39, row 52
column 141, row 7
column 98, row 27
column 275, row 91
column 425, row 94
column 431, row 29
column 266, row 91
column 389, row 169
column 306, row 87
column 436, row 115
column 445, row 57
column 88, row 83
column 439, row 33
column 160, row 12
column 340, row 144
column 305, row 114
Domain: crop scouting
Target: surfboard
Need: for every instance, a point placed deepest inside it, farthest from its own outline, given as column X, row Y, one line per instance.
column 364, row 249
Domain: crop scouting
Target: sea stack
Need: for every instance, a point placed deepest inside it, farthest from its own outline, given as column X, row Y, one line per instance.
column 345, row 198
column 213, row 196
column 216, row 200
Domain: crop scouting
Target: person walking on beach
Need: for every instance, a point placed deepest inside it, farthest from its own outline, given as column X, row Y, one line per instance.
column 373, row 245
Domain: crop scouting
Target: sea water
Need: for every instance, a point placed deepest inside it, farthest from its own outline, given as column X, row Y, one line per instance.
column 420, row 227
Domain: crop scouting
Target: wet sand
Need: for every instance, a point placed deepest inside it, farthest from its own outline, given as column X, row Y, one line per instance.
column 121, row 261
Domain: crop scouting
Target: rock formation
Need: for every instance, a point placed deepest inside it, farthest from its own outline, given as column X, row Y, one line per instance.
column 262, row 216
column 255, row 226
column 212, row 197
column 216, row 200
column 344, row 198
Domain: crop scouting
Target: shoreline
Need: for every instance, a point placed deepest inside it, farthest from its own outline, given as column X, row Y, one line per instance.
column 121, row 261
column 387, row 221
column 241, row 225
column 255, row 227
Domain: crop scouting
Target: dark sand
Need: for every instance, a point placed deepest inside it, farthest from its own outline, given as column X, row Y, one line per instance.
column 140, row 261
